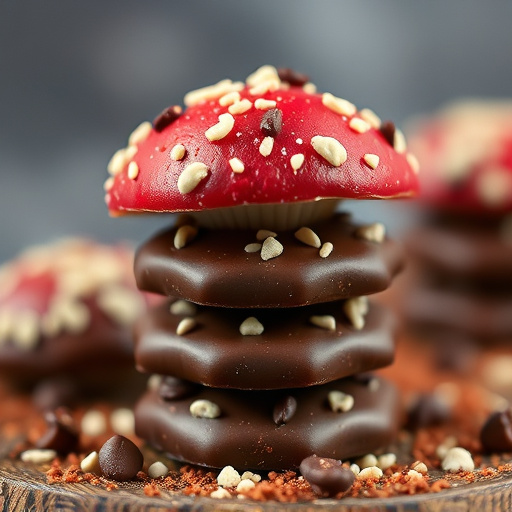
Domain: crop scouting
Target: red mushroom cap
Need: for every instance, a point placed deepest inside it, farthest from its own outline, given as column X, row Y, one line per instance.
column 465, row 151
column 265, row 142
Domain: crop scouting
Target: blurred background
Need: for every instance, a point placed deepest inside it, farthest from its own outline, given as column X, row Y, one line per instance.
column 77, row 77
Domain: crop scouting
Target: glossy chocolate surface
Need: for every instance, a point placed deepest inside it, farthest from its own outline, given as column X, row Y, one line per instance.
column 246, row 437
column 214, row 268
column 291, row 352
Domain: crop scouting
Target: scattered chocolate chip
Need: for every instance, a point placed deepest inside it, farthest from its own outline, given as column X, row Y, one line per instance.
column 496, row 434
column 166, row 117
column 428, row 410
column 272, row 122
column 388, row 131
column 120, row 459
column 284, row 410
column 292, row 77
column 61, row 434
column 327, row 477
column 50, row 394
column 172, row 388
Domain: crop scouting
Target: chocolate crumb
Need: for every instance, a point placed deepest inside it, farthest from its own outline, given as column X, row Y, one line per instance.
column 327, row 477
column 172, row 388
column 166, row 117
column 272, row 122
column 61, row 434
column 388, row 131
column 292, row 77
column 120, row 459
column 496, row 434
column 284, row 410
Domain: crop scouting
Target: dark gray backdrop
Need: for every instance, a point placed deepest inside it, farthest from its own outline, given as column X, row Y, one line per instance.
column 77, row 76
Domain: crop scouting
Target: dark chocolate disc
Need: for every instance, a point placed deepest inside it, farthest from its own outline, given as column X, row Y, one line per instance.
column 242, row 432
column 214, row 268
column 291, row 352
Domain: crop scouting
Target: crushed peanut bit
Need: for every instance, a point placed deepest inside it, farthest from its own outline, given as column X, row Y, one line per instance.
column 266, row 146
column 327, row 322
column 375, row 232
column 183, row 308
column 212, row 92
column 221, row 129
column 157, row 470
column 245, row 485
column 140, row 134
column 255, row 247
column 413, row 162
column 339, row 401
column 457, row 459
column 329, row 148
column 228, row 477
column 326, row 249
column 38, row 456
column 184, row 235
column 251, row 327
column 420, row 467
column 372, row 472
column 229, row 98
column 204, row 409
column 240, row 107
column 91, row 464
column 178, row 152
column 399, row 142
column 109, row 183
column 191, row 176
column 249, row 475
column 237, row 166
column 367, row 461
column 359, row 125
column 263, row 104
column 185, row 326
column 356, row 309
column 264, row 87
column 309, row 88
column 371, row 160
column 120, row 159
column 308, row 236
column 271, row 248
column 262, row 74
column 338, row 105
column 371, row 118
column 296, row 161
column 262, row 234
column 133, row 170
column 386, row 460
column 220, row 494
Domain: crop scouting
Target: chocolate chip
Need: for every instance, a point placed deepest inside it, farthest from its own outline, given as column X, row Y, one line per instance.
column 172, row 388
column 166, row 117
column 428, row 410
column 61, row 434
column 272, row 122
column 120, row 459
column 284, row 410
column 388, row 131
column 496, row 434
column 327, row 477
column 292, row 77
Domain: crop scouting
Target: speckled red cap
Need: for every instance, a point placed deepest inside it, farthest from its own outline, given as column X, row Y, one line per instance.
column 465, row 150
column 271, row 140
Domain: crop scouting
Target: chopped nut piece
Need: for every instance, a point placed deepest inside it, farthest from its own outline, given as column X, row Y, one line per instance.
column 204, row 409
column 399, row 142
column 183, row 308
column 367, row 461
column 123, row 421
column 271, row 248
column 25, row 331
column 252, row 247
column 185, row 326
column 91, row 464
column 359, row 125
column 229, row 98
column 178, row 152
column 262, row 74
column 245, row 485
column 296, row 161
column 211, row 92
column 413, row 475
column 221, row 129
column 355, row 469
column 220, row 494
column 413, row 162
column 371, row 160
column 386, row 460
column 251, row 327
column 263, row 104
column 420, row 467
column 157, row 470
column 326, row 250
column 140, row 134
column 338, row 105
column 133, row 170
column 371, row 118
column 109, row 183
column 93, row 423
column 448, row 443
column 327, row 322
column 236, row 165
column 457, row 459
column 240, row 107
column 249, row 475
column 266, row 146
column 356, row 309
column 375, row 232
column 308, row 237
column 263, row 234
column 228, row 477
column 340, row 402
column 120, row 304
column 309, row 88
column 38, row 456
column 191, row 177
column 154, row 382
column 184, row 235
column 330, row 149
column 373, row 472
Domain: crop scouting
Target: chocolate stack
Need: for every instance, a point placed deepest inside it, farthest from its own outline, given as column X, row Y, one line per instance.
column 265, row 345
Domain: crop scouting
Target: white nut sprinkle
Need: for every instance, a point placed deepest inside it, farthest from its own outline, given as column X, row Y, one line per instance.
column 296, row 161
column 185, row 326
column 211, row 92
column 252, row 247
column 339, row 401
column 375, row 232
column 240, row 107
column 327, row 322
column 140, row 134
column 178, row 152
column 157, row 470
column 117, row 162
column 183, row 308
column 420, row 467
column 356, row 310
column 457, row 459
column 263, row 234
column 191, row 177
column 266, row 146
column 386, row 460
column 367, row 461
column 25, row 332
column 91, row 464
column 309, row 88
column 338, row 105
column 133, row 170
column 399, row 142
column 229, row 98
column 271, row 248
column 245, row 485
column 249, row 475
column 329, row 148
column 122, row 421
column 355, row 469
column 413, row 162
column 326, row 249
column 204, row 409
column 228, row 477
column 237, row 166
column 359, row 125
column 109, row 183
column 251, row 327
column 120, row 303
column 154, row 382
column 448, row 443
column 93, row 423
column 413, row 475
column 221, row 129
column 262, row 74
column 263, row 104
column 371, row 160
column 38, row 456
column 264, row 87
column 220, row 494
column 373, row 472
column 308, row 236
column 371, row 118
column 184, row 235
